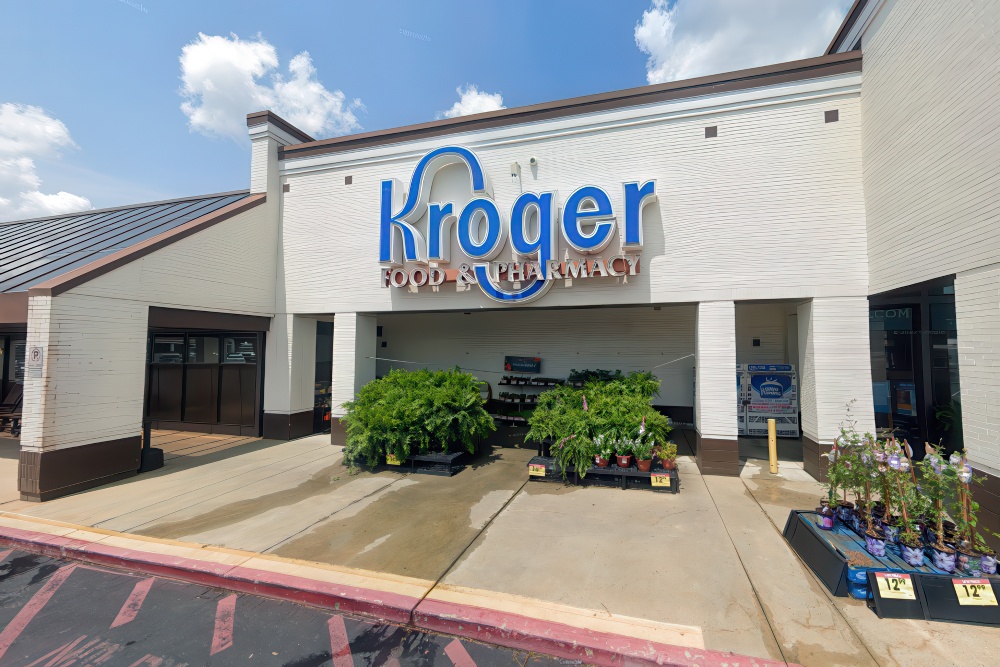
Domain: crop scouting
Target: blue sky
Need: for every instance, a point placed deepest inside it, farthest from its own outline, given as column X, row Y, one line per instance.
column 93, row 90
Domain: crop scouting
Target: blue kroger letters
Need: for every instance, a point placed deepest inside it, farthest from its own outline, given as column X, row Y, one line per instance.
column 481, row 231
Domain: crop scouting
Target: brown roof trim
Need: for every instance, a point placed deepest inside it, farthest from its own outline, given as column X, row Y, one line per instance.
column 95, row 211
column 14, row 308
column 261, row 117
column 756, row 77
column 87, row 272
column 852, row 17
column 182, row 318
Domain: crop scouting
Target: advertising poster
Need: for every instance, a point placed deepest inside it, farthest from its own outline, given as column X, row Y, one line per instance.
column 772, row 393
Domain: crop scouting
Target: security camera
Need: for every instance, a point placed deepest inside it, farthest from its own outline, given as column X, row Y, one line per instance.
column 533, row 161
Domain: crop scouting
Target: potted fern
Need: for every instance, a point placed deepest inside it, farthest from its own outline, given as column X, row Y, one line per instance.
column 415, row 412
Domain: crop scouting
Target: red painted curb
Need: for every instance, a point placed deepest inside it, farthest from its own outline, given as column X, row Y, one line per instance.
column 487, row 625
column 340, row 597
column 566, row 641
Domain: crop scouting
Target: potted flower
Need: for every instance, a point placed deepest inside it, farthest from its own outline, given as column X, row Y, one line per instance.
column 623, row 453
column 667, row 454
column 605, row 450
column 936, row 482
column 643, row 450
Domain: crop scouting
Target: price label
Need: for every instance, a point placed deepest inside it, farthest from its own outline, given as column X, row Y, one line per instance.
column 660, row 480
column 974, row 592
column 392, row 460
column 895, row 585
column 536, row 469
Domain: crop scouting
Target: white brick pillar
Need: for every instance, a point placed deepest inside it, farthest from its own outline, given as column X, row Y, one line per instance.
column 290, row 377
column 354, row 348
column 835, row 370
column 715, row 388
column 977, row 312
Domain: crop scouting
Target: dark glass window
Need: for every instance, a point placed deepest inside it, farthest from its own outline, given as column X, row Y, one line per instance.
column 168, row 349
column 240, row 349
column 203, row 350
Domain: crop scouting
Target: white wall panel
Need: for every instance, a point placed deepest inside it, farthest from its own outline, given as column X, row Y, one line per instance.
column 931, row 141
column 291, row 364
column 977, row 308
column 715, row 372
column 228, row 267
column 836, row 367
column 628, row 339
column 353, row 358
column 767, row 322
column 771, row 208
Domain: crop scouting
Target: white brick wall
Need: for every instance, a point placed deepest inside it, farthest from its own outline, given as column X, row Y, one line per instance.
column 291, row 364
column 931, row 140
column 629, row 339
column 715, row 373
column 835, row 368
column 977, row 307
column 353, row 358
column 771, row 208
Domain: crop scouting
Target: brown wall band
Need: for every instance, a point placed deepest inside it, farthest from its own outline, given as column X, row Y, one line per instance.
column 14, row 308
column 59, row 472
column 179, row 318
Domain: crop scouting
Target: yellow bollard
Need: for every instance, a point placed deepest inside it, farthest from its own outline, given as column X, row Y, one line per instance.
column 772, row 446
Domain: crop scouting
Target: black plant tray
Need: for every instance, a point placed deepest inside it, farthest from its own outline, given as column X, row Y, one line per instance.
column 937, row 600
column 612, row 476
column 440, row 463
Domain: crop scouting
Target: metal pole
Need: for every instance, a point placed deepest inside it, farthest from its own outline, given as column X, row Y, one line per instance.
column 772, row 445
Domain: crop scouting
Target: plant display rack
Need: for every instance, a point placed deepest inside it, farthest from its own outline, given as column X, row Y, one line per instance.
column 544, row 469
column 828, row 554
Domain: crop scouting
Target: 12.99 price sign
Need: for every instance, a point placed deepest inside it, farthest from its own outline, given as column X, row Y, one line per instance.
column 975, row 592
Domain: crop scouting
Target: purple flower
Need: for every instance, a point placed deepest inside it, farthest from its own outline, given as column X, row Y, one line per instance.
column 894, row 461
column 584, row 402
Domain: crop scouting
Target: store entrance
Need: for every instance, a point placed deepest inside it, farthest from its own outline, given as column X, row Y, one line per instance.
column 204, row 381
column 914, row 353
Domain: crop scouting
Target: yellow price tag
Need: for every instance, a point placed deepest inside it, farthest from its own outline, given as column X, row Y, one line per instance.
column 536, row 470
column 975, row 592
column 660, row 480
column 392, row 460
column 895, row 585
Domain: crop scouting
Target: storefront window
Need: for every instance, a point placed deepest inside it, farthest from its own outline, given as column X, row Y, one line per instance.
column 240, row 349
column 203, row 350
column 17, row 361
column 914, row 353
column 168, row 349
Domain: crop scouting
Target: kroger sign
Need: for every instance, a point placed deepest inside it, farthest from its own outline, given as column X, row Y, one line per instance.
column 585, row 221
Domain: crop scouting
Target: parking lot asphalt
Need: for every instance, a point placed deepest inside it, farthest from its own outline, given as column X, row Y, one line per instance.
column 58, row 613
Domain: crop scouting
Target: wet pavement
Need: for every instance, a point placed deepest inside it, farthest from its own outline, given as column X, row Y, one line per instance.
column 56, row 613
column 705, row 568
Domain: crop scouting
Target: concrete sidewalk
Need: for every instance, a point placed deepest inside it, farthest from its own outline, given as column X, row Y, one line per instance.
column 705, row 569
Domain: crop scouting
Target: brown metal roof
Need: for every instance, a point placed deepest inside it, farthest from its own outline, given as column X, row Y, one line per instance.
column 811, row 68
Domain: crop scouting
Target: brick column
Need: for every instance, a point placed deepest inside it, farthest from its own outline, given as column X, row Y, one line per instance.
column 715, row 389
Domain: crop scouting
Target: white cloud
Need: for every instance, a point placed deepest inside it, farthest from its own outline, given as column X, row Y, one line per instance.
column 472, row 100
column 690, row 38
column 222, row 82
column 27, row 132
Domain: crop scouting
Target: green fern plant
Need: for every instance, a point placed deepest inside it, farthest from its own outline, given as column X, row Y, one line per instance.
column 414, row 412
